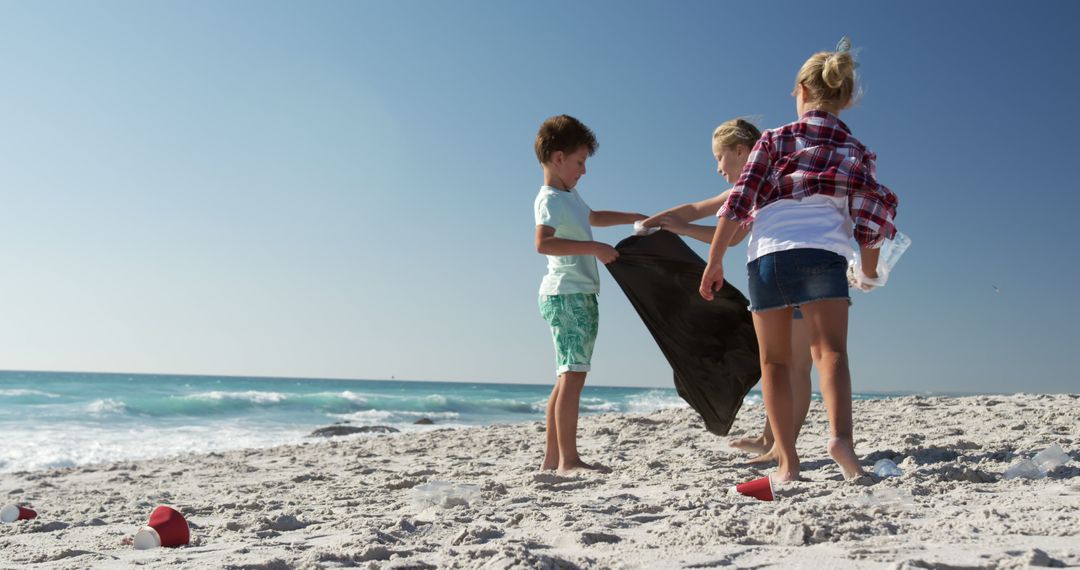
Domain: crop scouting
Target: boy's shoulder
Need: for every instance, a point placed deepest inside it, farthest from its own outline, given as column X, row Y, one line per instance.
column 546, row 194
column 550, row 194
column 546, row 190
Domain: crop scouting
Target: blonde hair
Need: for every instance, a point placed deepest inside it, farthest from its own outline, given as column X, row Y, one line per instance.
column 731, row 134
column 829, row 76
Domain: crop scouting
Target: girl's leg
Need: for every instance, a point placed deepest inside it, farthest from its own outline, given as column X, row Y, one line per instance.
column 828, row 323
column 773, row 330
column 551, row 445
column 801, row 365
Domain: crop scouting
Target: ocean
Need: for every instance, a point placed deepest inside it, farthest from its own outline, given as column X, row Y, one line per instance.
column 64, row 419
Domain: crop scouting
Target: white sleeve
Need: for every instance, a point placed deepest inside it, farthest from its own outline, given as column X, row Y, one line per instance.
column 547, row 212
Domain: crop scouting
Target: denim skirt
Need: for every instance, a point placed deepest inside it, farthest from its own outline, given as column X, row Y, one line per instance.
column 796, row 277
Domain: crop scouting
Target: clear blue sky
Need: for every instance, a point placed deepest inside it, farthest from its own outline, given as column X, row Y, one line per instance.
column 345, row 189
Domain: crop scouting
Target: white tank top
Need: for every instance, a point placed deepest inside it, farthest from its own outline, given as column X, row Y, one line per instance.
column 815, row 222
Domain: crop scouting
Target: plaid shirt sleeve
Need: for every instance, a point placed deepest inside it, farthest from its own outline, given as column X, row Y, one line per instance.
column 872, row 208
column 754, row 180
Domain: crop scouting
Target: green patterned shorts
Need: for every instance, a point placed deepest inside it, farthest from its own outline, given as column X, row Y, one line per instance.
column 574, row 320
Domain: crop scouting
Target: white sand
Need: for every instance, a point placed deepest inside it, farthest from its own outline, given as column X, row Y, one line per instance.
column 351, row 502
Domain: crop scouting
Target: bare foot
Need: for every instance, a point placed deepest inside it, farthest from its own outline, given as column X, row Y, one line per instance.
column 756, row 445
column 769, row 457
column 785, row 477
column 580, row 465
column 551, row 461
column 842, row 450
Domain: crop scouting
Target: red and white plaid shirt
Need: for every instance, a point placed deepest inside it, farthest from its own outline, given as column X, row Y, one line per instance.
column 815, row 155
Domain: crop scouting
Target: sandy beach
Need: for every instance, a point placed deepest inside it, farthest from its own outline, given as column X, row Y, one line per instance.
column 473, row 498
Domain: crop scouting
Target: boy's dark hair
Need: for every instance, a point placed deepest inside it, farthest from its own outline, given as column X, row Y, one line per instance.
column 565, row 133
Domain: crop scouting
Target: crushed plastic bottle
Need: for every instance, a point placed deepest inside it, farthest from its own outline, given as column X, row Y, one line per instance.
column 1037, row 467
column 892, row 250
column 889, row 254
column 1024, row 469
column 1051, row 458
column 444, row 494
column 886, row 468
column 886, row 498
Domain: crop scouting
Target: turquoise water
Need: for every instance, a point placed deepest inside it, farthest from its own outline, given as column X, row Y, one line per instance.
column 63, row 419
column 52, row 419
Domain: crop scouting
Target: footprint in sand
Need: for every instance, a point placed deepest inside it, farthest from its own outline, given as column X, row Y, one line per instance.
column 555, row 482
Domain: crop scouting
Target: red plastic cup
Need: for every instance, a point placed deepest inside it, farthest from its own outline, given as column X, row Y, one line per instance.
column 760, row 489
column 12, row 513
column 167, row 528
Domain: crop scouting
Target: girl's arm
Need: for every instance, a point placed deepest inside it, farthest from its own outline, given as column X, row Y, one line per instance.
column 713, row 277
column 869, row 259
column 872, row 208
column 692, row 211
column 672, row 223
column 603, row 218
column 752, row 180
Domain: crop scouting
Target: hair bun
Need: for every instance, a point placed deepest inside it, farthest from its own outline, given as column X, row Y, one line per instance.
column 837, row 67
column 830, row 76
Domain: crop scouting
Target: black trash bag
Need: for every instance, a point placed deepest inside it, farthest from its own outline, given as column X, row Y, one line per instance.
column 710, row 345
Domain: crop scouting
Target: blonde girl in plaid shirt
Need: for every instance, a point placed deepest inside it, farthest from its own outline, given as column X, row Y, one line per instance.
column 799, row 171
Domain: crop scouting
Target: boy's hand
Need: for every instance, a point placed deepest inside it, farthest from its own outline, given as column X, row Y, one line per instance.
column 605, row 253
column 711, row 280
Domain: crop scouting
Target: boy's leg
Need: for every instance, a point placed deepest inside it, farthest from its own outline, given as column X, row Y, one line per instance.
column 551, row 445
column 574, row 321
column 828, row 322
column 773, row 330
column 566, row 417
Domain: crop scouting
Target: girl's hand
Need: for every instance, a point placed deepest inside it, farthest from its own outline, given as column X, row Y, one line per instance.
column 651, row 221
column 711, row 280
column 669, row 222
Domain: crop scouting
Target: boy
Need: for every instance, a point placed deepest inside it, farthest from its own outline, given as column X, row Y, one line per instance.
column 568, row 291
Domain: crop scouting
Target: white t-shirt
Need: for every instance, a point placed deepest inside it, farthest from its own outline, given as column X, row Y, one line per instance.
column 568, row 214
column 815, row 222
